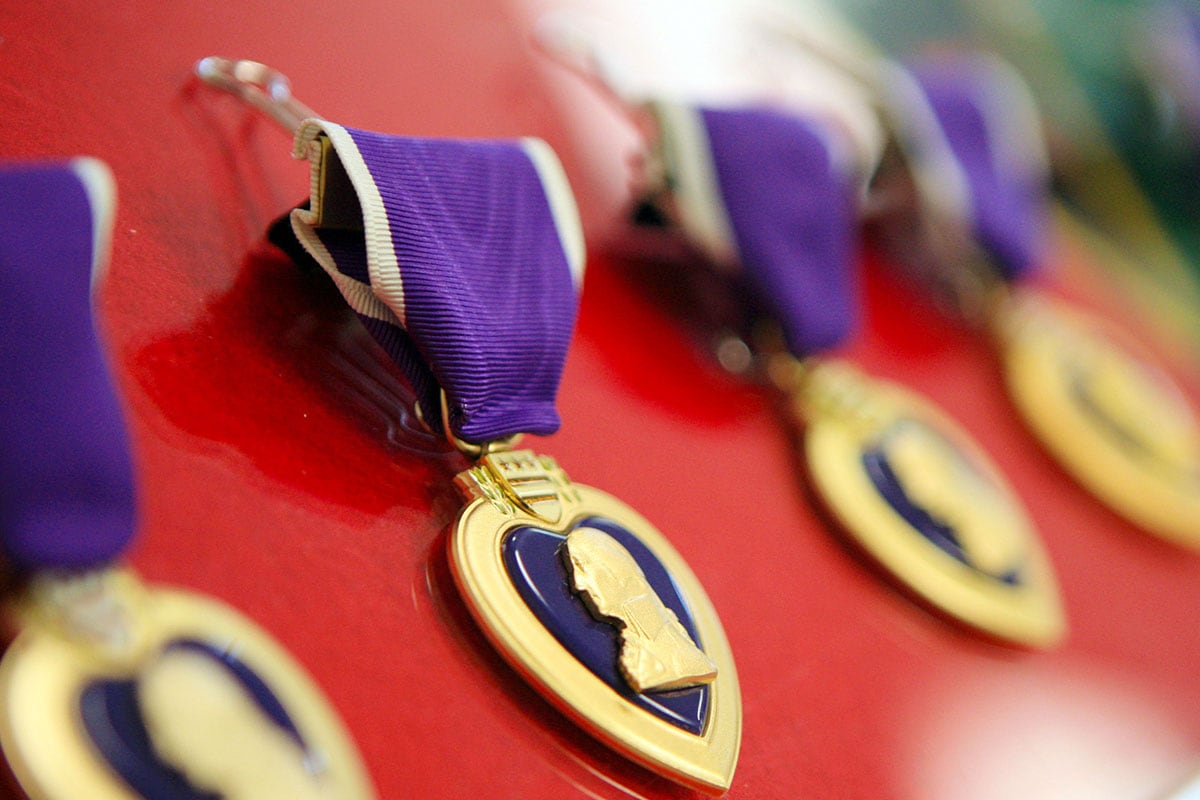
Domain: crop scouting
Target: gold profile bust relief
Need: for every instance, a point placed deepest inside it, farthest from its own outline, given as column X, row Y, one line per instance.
column 207, row 726
column 656, row 652
column 937, row 477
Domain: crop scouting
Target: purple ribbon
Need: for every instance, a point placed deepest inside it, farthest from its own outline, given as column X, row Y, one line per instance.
column 66, row 484
column 793, row 218
column 760, row 190
column 990, row 126
column 463, row 259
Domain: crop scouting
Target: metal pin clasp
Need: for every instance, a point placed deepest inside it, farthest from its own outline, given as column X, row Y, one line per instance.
column 99, row 610
column 470, row 449
column 263, row 87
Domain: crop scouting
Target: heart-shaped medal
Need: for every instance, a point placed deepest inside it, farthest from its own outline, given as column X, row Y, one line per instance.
column 112, row 691
column 594, row 607
column 464, row 259
column 131, row 692
column 1118, row 424
column 920, row 498
column 904, row 482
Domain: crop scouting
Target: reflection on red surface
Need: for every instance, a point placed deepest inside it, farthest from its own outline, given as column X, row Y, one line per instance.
column 275, row 334
column 659, row 357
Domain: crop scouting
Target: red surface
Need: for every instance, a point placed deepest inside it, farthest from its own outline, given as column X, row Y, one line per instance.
column 279, row 471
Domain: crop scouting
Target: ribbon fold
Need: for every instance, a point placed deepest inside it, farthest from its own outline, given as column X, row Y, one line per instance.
column 463, row 258
column 759, row 191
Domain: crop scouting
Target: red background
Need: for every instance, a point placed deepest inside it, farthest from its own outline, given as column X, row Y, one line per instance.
column 278, row 472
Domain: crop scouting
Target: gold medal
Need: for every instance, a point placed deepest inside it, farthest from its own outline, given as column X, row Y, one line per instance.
column 910, row 488
column 1116, row 423
column 465, row 261
column 116, row 691
column 592, row 605
column 904, row 482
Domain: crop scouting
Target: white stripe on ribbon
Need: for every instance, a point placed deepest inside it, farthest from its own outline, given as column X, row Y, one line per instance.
column 101, row 189
column 358, row 295
column 687, row 157
column 942, row 183
column 386, row 291
column 1011, row 116
column 562, row 205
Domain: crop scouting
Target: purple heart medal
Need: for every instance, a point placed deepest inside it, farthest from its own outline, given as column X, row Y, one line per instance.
column 767, row 197
column 464, row 259
column 969, row 131
column 115, row 690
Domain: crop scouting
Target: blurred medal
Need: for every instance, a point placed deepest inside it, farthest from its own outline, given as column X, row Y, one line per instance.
column 766, row 196
column 115, row 690
column 1097, row 401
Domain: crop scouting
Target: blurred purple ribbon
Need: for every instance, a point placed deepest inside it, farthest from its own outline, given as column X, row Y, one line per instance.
column 760, row 191
column 66, row 483
column 987, row 122
column 791, row 208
